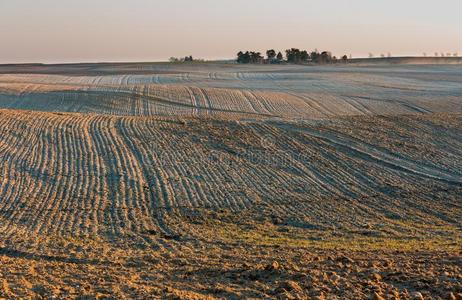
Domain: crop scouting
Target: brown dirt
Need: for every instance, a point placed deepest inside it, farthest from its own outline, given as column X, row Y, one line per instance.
column 238, row 182
column 101, row 206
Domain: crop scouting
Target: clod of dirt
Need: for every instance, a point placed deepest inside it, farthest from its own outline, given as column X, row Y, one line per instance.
column 150, row 232
column 345, row 259
column 377, row 297
column 453, row 296
column 321, row 297
column 277, row 220
column 335, row 278
column 273, row 266
column 174, row 237
column 417, row 296
column 4, row 288
column 376, row 277
column 290, row 285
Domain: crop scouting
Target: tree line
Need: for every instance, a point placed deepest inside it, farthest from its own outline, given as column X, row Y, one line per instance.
column 185, row 59
column 292, row 55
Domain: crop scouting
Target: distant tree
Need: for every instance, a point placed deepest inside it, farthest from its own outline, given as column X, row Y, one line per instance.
column 371, row 55
column 255, row 57
column 279, row 57
column 382, row 55
column 315, row 56
column 240, row 55
column 293, row 55
column 388, row 54
column 424, row 54
column 247, row 57
column 345, row 58
column 243, row 58
column 436, row 54
column 326, row 57
column 289, row 56
column 174, row 59
column 271, row 54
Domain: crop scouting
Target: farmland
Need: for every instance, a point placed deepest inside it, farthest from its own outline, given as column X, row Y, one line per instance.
column 228, row 90
column 220, row 180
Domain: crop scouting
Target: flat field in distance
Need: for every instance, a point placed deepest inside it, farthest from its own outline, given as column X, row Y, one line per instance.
column 230, row 90
column 218, row 180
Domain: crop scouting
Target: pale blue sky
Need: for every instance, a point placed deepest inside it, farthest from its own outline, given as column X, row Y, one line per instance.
column 147, row 30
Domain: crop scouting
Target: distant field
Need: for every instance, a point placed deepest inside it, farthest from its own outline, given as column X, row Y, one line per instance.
column 230, row 181
column 285, row 91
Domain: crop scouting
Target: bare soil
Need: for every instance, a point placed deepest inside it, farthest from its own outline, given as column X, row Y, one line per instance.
column 231, row 184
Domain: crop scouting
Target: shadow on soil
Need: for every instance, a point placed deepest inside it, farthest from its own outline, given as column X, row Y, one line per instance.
column 12, row 253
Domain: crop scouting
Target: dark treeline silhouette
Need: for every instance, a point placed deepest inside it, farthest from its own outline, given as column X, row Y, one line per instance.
column 250, row 57
column 293, row 55
column 185, row 59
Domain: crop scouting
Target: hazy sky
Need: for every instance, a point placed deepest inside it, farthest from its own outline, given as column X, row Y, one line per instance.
column 147, row 30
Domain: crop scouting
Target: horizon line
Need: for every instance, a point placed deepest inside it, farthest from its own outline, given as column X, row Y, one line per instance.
column 201, row 61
